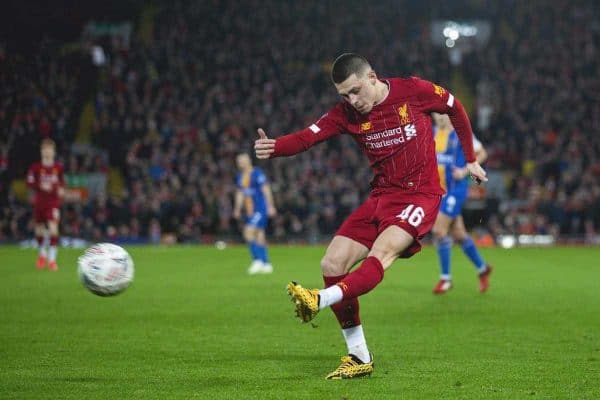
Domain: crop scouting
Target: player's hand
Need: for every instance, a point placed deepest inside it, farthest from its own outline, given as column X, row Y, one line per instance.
column 46, row 186
column 237, row 214
column 264, row 146
column 459, row 173
column 271, row 211
column 477, row 173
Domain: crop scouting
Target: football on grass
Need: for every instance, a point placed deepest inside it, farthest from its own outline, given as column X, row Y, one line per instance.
column 106, row 269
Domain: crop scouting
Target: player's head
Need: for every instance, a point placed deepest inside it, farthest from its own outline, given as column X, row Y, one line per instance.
column 244, row 162
column 355, row 81
column 48, row 151
column 442, row 121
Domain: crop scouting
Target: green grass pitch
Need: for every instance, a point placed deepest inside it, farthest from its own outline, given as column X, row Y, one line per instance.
column 194, row 325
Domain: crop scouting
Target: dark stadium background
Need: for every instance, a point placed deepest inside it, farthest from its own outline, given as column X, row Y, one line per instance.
column 148, row 135
column 149, row 101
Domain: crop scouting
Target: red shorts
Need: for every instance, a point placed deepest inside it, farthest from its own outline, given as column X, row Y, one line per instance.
column 413, row 212
column 46, row 213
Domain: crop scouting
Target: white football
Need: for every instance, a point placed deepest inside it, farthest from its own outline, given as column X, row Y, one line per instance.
column 105, row 269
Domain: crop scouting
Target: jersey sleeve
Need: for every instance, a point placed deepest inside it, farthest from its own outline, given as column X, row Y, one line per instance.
column 61, row 176
column 329, row 125
column 61, row 180
column 434, row 98
column 32, row 180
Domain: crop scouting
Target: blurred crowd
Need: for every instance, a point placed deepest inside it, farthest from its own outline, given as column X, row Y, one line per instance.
column 171, row 114
column 540, row 75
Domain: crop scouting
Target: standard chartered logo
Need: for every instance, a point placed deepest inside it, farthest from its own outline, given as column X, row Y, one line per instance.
column 390, row 137
column 384, row 134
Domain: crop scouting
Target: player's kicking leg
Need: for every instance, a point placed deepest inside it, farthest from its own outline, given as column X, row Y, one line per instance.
column 340, row 256
column 484, row 270
column 402, row 220
column 40, row 236
column 443, row 245
column 392, row 242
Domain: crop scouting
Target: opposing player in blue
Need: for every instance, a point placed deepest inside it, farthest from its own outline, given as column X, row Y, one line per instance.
column 254, row 194
column 453, row 177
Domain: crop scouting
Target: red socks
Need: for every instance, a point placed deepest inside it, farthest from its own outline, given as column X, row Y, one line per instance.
column 40, row 241
column 53, row 240
column 346, row 311
column 363, row 279
column 358, row 282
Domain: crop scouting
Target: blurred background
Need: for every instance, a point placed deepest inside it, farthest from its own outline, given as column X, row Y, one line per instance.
column 149, row 103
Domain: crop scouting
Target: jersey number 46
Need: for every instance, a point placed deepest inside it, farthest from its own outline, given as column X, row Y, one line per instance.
column 413, row 215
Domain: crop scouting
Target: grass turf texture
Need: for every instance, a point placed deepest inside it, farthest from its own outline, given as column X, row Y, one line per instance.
column 194, row 325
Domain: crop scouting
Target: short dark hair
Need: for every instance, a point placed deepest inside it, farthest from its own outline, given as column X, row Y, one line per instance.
column 47, row 142
column 346, row 65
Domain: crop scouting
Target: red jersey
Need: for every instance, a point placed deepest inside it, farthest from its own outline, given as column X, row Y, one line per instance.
column 396, row 135
column 54, row 178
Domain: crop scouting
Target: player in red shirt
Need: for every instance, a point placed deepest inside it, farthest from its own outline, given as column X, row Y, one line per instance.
column 47, row 180
column 390, row 120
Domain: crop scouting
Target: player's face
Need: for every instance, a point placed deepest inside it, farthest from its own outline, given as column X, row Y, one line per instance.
column 243, row 162
column 359, row 91
column 48, row 153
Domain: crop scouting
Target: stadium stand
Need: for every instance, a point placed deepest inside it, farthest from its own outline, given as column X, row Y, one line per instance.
column 172, row 107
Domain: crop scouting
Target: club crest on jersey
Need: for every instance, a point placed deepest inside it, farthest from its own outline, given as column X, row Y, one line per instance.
column 439, row 90
column 403, row 113
column 365, row 126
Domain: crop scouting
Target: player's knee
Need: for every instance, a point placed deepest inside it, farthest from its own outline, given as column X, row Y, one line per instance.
column 384, row 252
column 332, row 265
column 387, row 252
column 439, row 232
column 259, row 238
column 248, row 235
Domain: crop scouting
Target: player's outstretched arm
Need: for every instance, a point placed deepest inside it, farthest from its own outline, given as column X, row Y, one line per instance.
column 477, row 172
column 329, row 125
column 438, row 99
column 263, row 146
column 32, row 180
column 480, row 156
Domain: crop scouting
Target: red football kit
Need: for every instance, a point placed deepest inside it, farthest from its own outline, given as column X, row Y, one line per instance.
column 396, row 135
column 46, row 204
